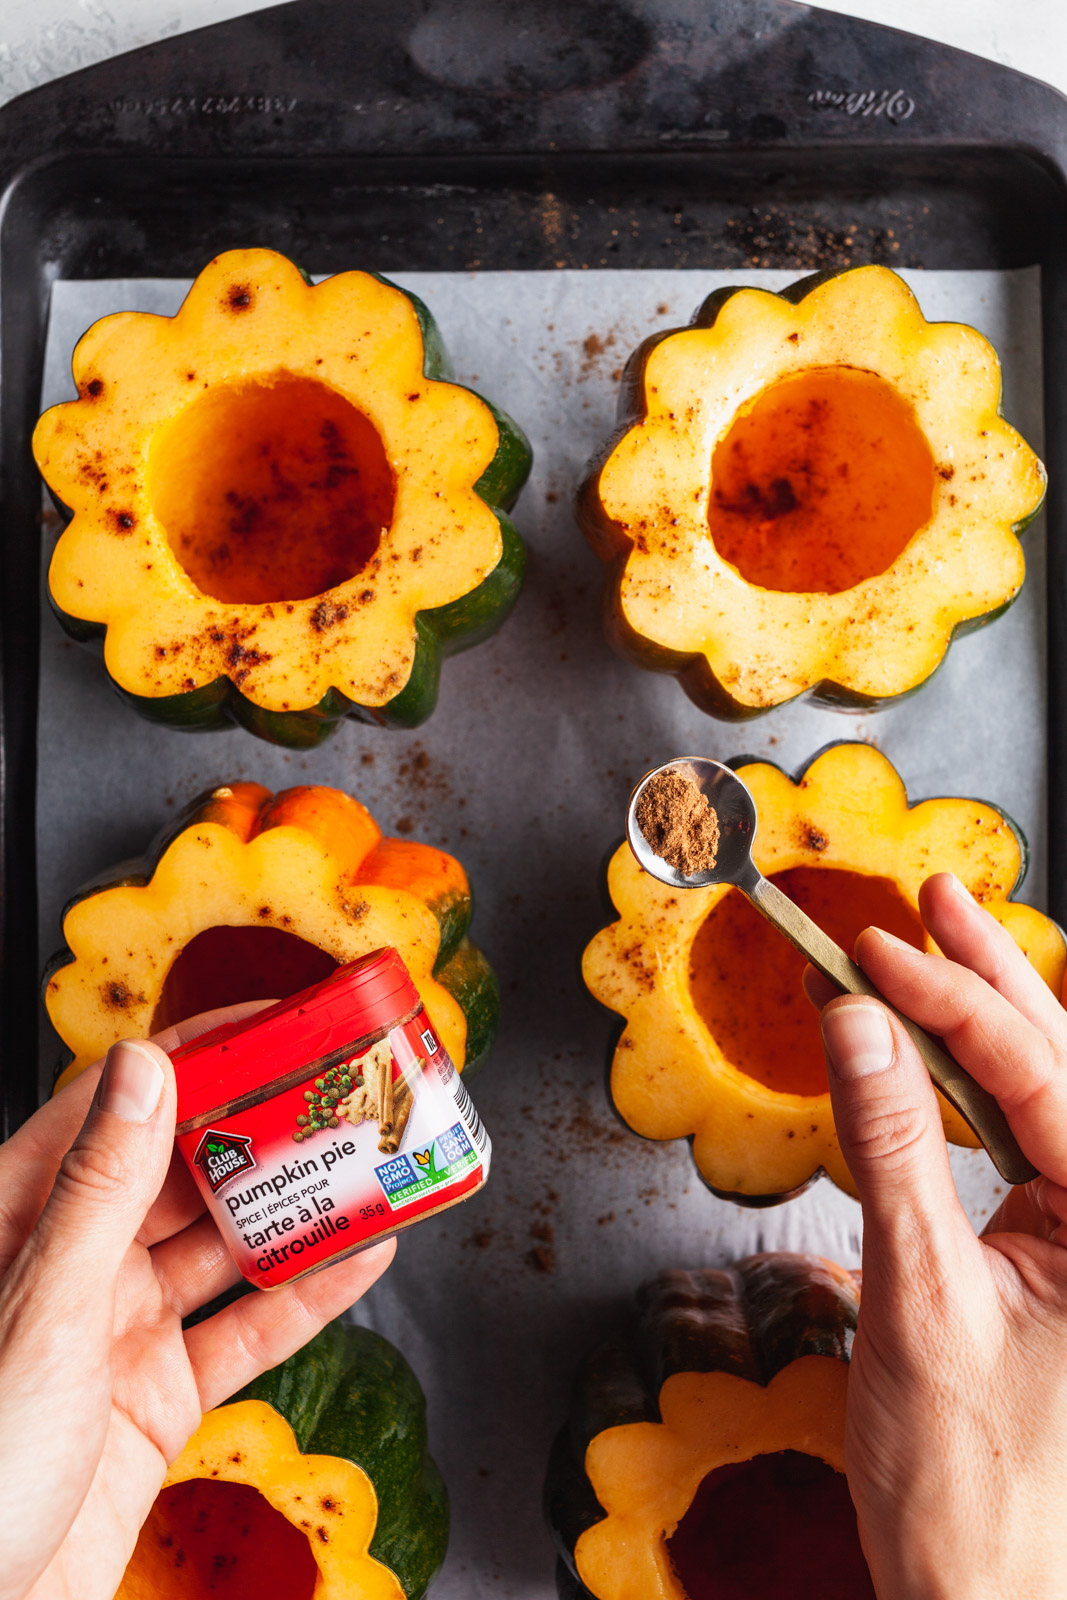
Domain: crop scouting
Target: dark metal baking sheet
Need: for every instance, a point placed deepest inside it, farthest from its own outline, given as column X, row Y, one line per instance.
column 412, row 134
column 469, row 134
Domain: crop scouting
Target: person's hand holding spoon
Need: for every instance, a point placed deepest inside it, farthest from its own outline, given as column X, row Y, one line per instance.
column 956, row 1423
column 691, row 823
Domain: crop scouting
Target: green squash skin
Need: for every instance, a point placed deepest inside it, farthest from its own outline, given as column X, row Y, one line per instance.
column 460, row 967
column 473, row 984
column 440, row 632
column 751, row 1320
column 761, row 1202
column 350, row 1393
column 692, row 670
column 453, row 912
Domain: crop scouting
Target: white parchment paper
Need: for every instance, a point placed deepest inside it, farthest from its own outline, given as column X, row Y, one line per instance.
column 536, row 742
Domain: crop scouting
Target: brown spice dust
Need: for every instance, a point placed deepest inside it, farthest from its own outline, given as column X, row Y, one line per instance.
column 679, row 823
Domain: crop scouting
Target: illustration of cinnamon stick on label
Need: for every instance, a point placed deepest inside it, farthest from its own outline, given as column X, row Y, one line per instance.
column 385, row 1095
column 403, row 1100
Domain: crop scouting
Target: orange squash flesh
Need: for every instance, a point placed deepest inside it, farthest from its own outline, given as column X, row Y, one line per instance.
column 253, row 1518
column 821, row 483
column 751, row 1094
column 809, row 492
column 703, row 1453
column 254, row 895
column 225, row 1539
column 646, row 1475
column 271, row 491
column 746, row 980
column 276, row 499
column 781, row 1524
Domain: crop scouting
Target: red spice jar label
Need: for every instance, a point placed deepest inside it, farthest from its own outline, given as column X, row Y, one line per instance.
column 340, row 1146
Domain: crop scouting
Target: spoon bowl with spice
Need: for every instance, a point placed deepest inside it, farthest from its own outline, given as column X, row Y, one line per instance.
column 691, row 823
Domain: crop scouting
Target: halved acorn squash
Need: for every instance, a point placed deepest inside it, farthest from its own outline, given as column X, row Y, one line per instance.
column 809, row 491
column 284, row 512
column 311, row 1484
column 720, row 1045
column 704, row 1454
column 251, row 895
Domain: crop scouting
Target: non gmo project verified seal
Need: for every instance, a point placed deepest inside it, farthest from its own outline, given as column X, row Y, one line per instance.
column 409, row 1175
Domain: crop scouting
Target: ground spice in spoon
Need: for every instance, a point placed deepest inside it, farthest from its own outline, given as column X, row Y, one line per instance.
column 680, row 825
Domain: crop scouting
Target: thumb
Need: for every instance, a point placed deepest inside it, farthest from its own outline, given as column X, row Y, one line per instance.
column 889, row 1127
column 114, row 1169
column 58, row 1305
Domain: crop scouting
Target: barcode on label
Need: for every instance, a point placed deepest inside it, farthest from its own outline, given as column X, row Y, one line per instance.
column 427, row 1037
column 470, row 1115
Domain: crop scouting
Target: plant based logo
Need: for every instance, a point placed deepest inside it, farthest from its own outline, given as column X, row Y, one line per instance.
column 221, row 1156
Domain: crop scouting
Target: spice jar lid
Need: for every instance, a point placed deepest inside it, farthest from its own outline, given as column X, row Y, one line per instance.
column 357, row 999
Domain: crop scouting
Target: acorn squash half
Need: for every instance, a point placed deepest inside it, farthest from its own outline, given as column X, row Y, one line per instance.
column 720, row 1045
column 284, row 512
column 311, row 1484
column 704, row 1452
column 251, row 895
column 809, row 491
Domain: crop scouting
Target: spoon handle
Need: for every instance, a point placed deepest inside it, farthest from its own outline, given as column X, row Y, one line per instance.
column 975, row 1104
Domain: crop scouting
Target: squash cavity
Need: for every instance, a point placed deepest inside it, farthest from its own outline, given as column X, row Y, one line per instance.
column 821, row 482
column 745, row 980
column 207, row 1535
column 781, row 1523
column 271, row 491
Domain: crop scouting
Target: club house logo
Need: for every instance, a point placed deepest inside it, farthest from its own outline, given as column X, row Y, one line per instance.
column 221, row 1156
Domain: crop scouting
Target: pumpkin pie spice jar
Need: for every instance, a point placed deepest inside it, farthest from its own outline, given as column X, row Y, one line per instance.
column 327, row 1122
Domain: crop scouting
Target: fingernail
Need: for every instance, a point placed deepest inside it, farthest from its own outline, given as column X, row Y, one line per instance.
column 959, row 888
column 891, row 939
column 131, row 1083
column 858, row 1040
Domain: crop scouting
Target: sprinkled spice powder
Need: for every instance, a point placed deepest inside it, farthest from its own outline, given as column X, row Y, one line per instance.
column 678, row 822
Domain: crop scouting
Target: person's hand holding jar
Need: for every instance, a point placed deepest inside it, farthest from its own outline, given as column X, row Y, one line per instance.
column 104, row 1247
